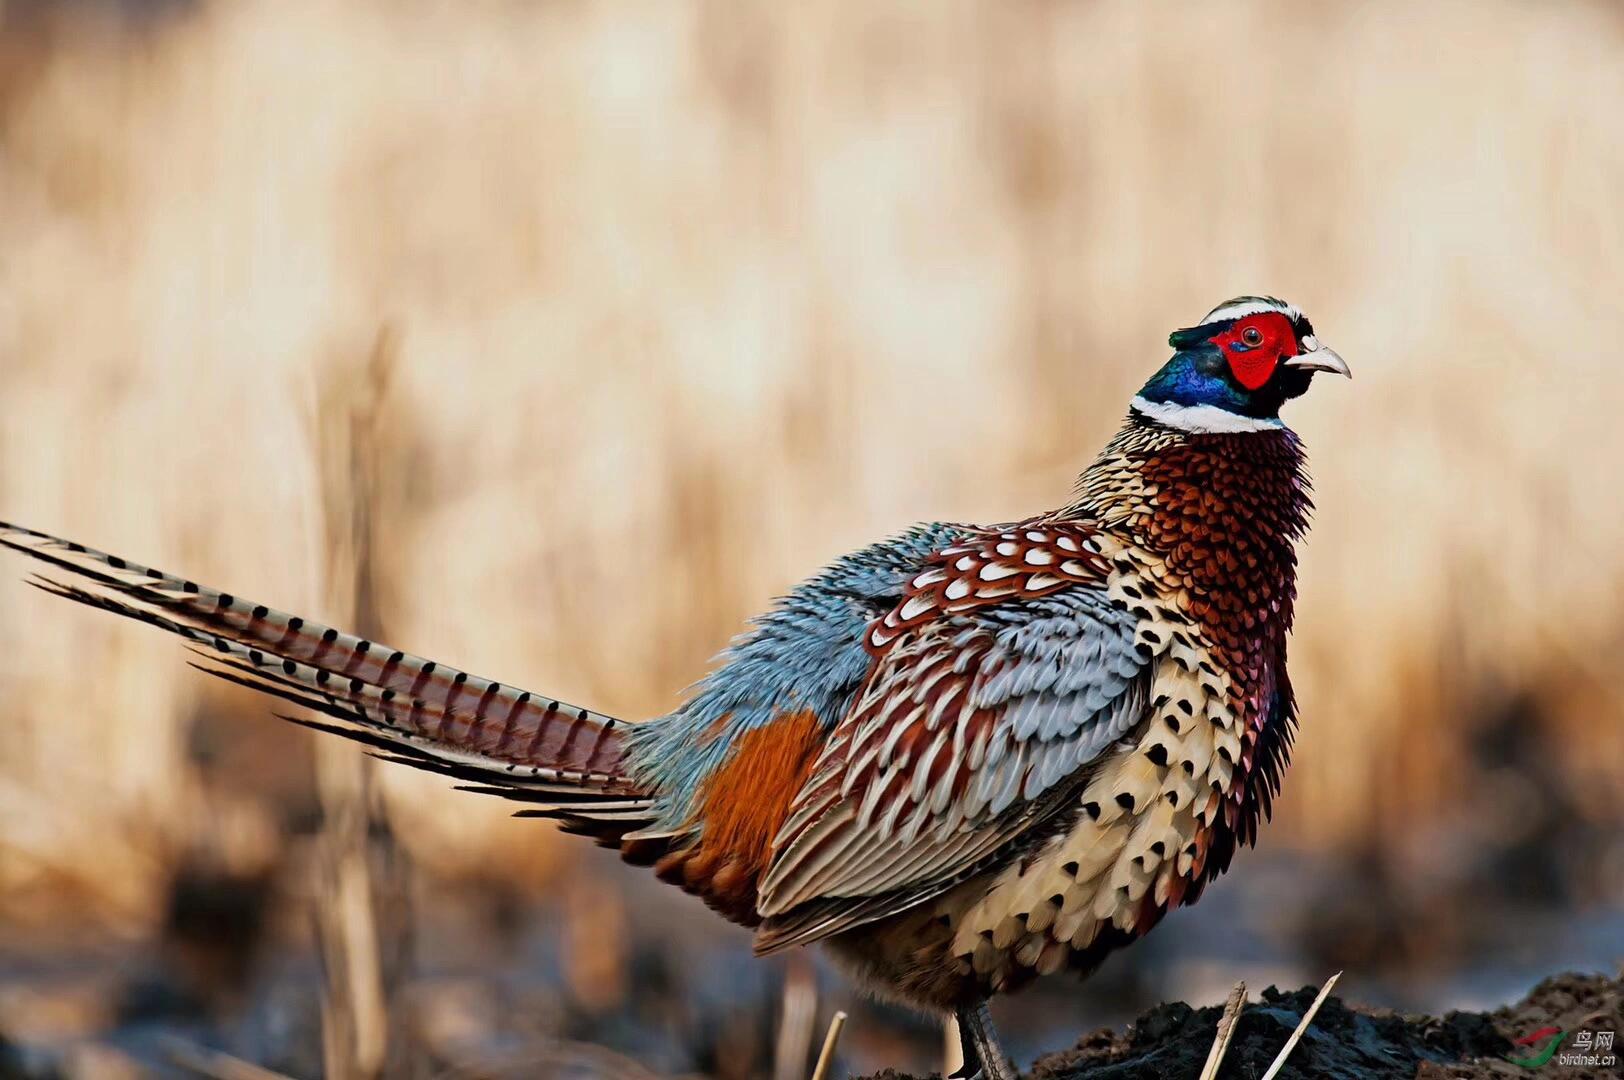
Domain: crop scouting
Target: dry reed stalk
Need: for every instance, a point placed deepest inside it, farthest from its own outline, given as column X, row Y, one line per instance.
column 826, row 1056
column 594, row 935
column 1226, row 1032
column 355, row 1012
column 1302, row 1026
column 796, row 1024
column 952, row 1047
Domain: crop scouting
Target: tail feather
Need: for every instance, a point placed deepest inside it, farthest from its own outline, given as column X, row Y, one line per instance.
column 498, row 739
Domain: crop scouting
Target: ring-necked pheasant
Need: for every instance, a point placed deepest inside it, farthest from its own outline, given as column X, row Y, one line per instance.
column 961, row 757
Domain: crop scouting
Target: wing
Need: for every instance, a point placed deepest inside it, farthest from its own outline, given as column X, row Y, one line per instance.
column 1000, row 675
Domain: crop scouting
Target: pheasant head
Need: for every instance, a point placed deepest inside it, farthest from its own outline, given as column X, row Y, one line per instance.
column 1234, row 370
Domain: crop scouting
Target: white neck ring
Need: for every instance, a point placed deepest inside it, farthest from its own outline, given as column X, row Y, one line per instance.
column 1203, row 419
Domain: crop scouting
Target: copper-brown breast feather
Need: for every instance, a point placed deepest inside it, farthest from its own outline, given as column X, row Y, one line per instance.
column 1227, row 513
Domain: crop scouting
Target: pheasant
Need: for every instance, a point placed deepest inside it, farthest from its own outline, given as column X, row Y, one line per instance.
column 960, row 758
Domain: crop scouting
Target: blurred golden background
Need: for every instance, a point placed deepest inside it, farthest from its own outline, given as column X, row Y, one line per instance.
column 555, row 339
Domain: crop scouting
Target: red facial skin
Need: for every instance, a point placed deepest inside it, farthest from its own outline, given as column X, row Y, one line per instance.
column 1254, row 365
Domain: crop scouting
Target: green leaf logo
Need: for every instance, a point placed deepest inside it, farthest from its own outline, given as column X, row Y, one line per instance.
column 1540, row 1056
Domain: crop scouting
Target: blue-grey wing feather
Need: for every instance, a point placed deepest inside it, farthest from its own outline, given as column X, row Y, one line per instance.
column 1065, row 682
column 805, row 654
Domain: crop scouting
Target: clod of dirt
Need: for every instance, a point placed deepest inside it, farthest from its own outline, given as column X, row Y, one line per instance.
column 1344, row 1042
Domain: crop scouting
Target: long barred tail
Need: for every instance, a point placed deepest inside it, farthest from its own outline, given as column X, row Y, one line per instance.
column 497, row 739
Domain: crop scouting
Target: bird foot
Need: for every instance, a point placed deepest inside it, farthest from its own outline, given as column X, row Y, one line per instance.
column 983, row 1055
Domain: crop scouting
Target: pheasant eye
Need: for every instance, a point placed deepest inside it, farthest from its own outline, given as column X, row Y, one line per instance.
column 1252, row 336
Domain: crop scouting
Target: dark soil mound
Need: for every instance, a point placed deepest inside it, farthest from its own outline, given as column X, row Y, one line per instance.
column 1344, row 1042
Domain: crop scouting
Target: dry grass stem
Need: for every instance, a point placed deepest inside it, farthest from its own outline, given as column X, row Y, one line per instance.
column 952, row 1046
column 826, row 1056
column 355, row 1028
column 1226, row 1032
column 1302, row 1026
column 798, row 1019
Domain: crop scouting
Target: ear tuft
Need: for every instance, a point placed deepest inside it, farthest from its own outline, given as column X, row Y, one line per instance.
column 1190, row 337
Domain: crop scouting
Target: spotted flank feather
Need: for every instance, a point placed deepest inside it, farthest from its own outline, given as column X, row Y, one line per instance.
column 495, row 738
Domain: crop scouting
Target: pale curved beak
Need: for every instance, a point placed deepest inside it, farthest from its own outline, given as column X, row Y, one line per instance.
column 1317, row 357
